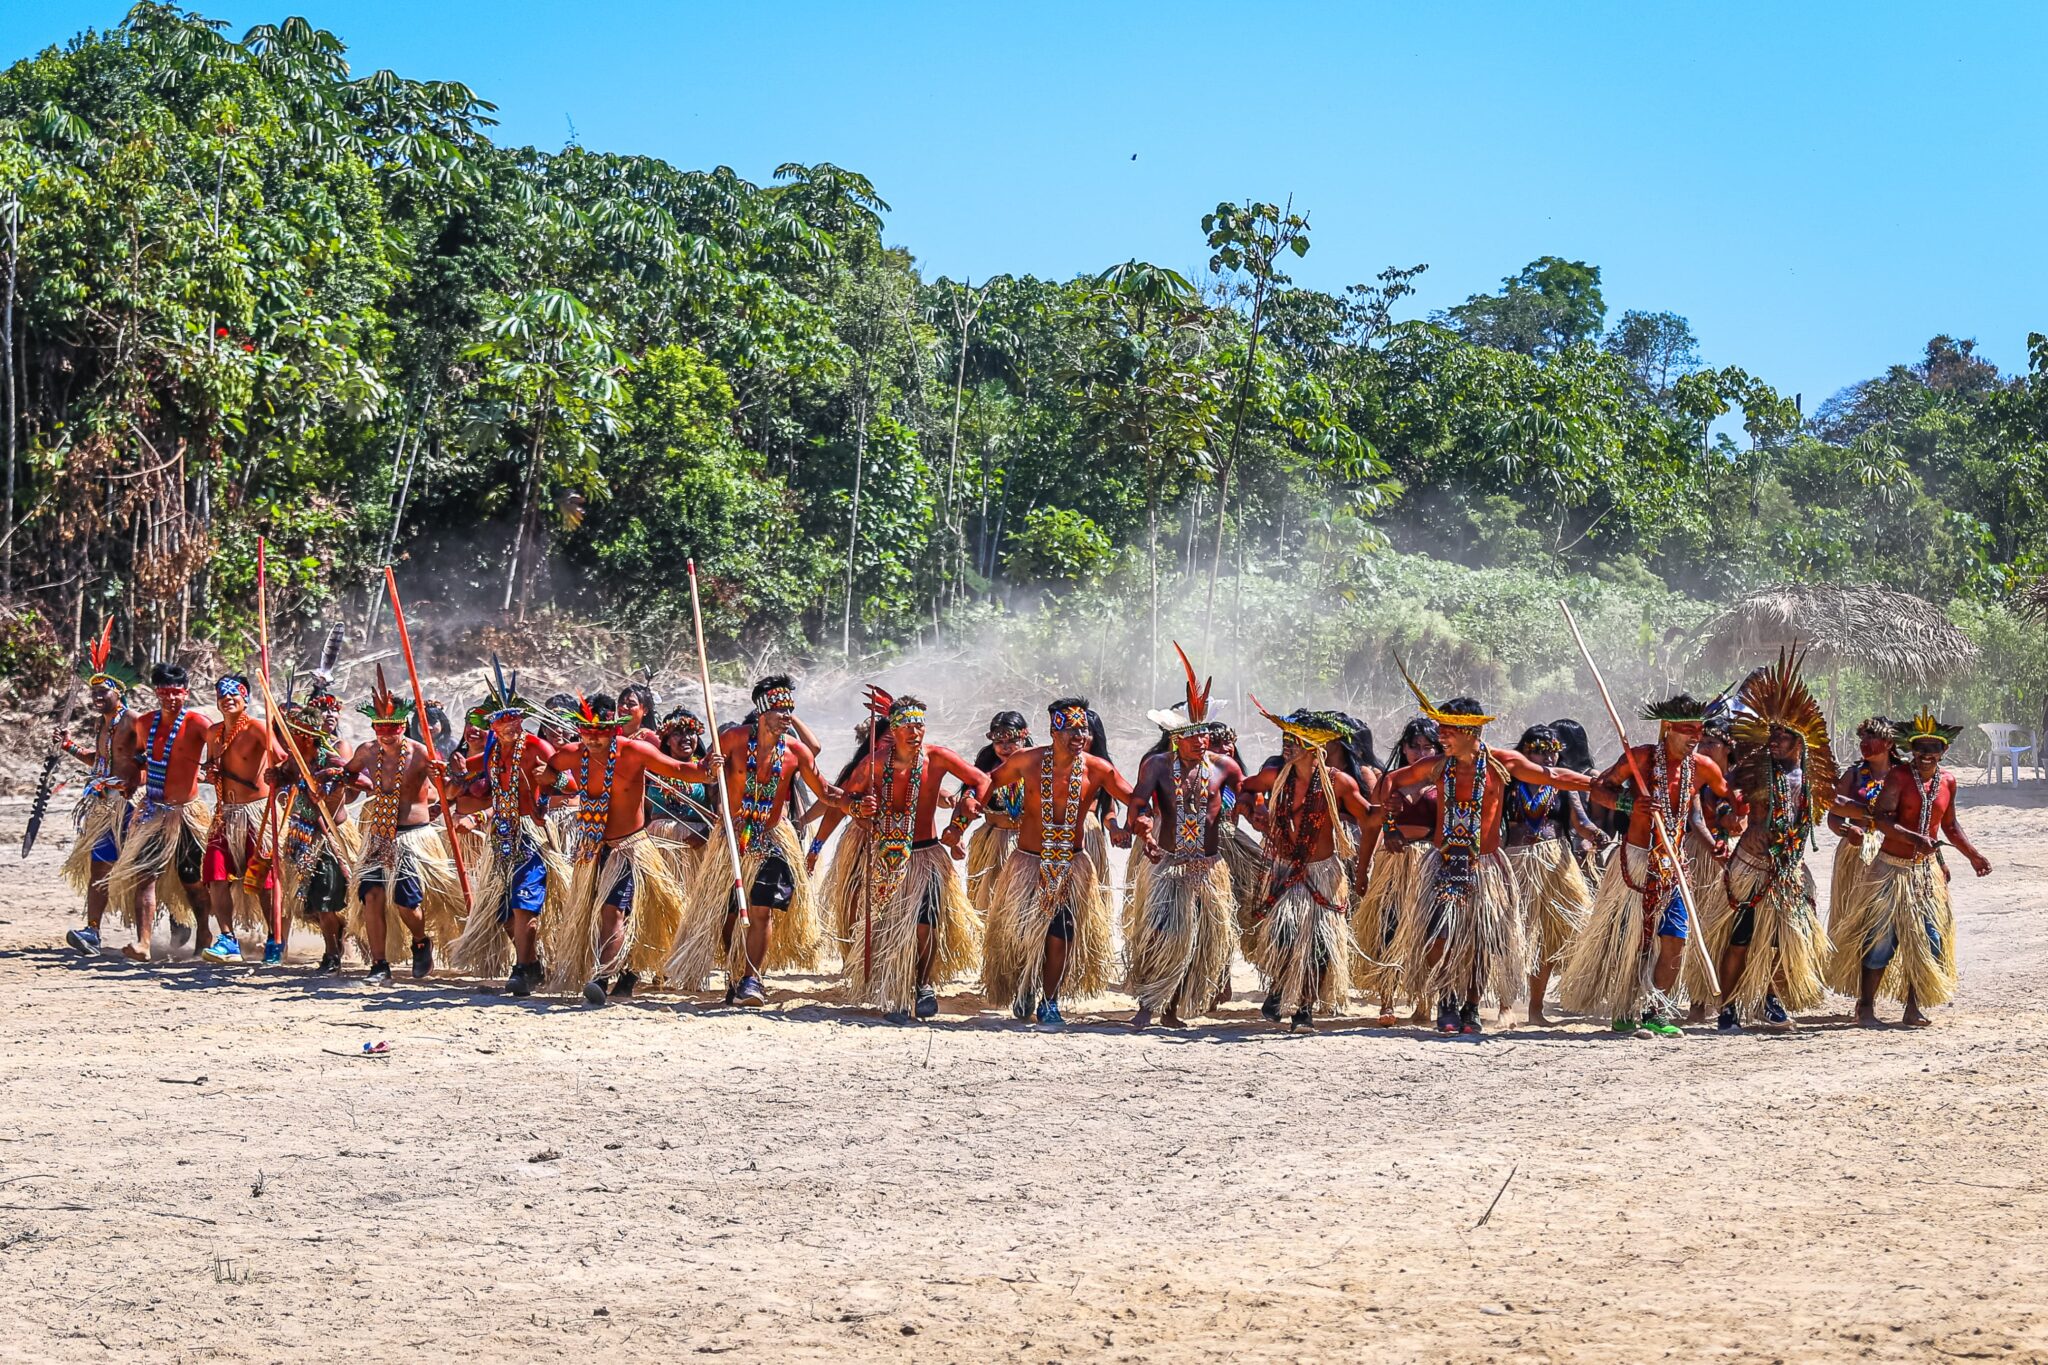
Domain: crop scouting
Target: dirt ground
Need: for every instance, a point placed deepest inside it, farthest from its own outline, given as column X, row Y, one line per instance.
column 197, row 1164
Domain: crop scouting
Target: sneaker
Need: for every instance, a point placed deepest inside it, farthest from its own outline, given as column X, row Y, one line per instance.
column 750, row 995
column 1049, row 1015
column 927, row 1002
column 329, row 962
column 594, row 992
column 1774, row 1013
column 422, row 959
column 1623, row 1026
column 896, row 1016
column 86, row 941
column 273, row 953
column 1657, row 1026
column 223, row 950
column 1302, row 1020
column 379, row 973
column 1270, row 1009
column 1023, row 1008
column 1726, row 1022
column 1446, row 1017
column 1468, row 1020
column 519, row 983
column 622, row 988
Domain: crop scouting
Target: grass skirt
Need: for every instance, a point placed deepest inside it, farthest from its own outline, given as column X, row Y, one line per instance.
column 240, row 823
column 838, row 891
column 1911, row 897
column 484, row 947
column 1376, row 919
column 97, row 815
column 1787, row 940
column 1180, row 931
column 292, row 883
column 988, row 848
column 1555, row 899
column 1299, row 934
column 1481, row 932
column 1607, row 968
column 149, row 854
column 1013, row 961
column 426, row 849
column 881, row 969
column 1248, row 868
column 1851, row 878
column 794, row 937
column 572, row 940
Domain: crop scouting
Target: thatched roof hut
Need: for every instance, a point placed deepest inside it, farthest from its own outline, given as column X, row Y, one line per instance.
column 1902, row 640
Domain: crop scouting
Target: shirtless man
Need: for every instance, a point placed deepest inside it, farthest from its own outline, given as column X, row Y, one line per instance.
column 167, row 746
column 910, row 923
column 1898, row 938
column 1638, row 910
column 400, row 839
column 102, row 813
column 758, row 765
column 506, row 779
column 1301, row 939
column 1460, row 934
column 239, row 753
column 1181, row 934
column 622, row 897
column 1048, row 920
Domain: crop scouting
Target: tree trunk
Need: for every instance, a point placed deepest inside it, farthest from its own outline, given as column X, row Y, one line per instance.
column 1244, row 393
column 7, row 364
column 526, row 496
column 860, row 459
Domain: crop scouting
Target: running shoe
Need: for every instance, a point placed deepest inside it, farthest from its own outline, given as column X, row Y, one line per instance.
column 519, row 983
column 896, row 1016
column 927, row 1002
column 223, row 950
column 1302, row 1020
column 379, row 974
column 422, row 959
column 1049, row 1015
column 622, row 986
column 329, row 962
column 1624, row 1026
column 1022, row 1008
column 594, row 992
column 750, row 994
column 1468, row 1020
column 1657, row 1026
column 1270, row 1009
column 1726, row 1022
column 273, row 953
column 87, row 941
column 1774, row 1013
column 1447, row 1017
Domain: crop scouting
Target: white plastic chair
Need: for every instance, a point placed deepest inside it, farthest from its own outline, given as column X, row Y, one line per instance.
column 2005, row 750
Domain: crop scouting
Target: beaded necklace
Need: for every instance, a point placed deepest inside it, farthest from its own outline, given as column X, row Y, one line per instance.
column 232, row 727
column 505, row 830
column 1190, row 807
column 757, row 798
column 1927, row 792
column 893, row 827
column 1059, row 824
column 1868, row 784
column 101, row 780
column 1534, row 804
column 302, row 830
column 1299, row 831
column 593, row 812
column 157, row 770
column 1662, row 876
column 380, row 813
column 1460, row 827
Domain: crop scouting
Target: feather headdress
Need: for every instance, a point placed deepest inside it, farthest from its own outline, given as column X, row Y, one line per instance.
column 1777, row 698
column 588, row 717
column 1314, row 728
column 504, row 698
column 97, row 654
column 1434, row 712
column 1192, row 714
column 1925, row 726
column 384, row 706
column 1682, row 708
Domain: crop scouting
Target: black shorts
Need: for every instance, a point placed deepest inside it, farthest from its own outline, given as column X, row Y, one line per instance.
column 190, row 859
column 325, row 889
column 1744, row 928
column 774, row 885
column 1062, row 926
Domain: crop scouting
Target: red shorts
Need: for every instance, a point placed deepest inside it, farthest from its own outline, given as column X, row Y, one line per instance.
column 219, row 863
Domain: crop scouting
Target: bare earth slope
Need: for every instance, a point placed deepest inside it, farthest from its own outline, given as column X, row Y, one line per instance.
column 194, row 1165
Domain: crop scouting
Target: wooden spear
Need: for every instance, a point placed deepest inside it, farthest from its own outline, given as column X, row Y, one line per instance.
column 419, row 701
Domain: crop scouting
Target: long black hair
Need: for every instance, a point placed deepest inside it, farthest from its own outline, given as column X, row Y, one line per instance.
column 862, row 734
column 1578, row 749
column 1359, row 742
column 1098, row 745
column 988, row 760
column 1418, row 727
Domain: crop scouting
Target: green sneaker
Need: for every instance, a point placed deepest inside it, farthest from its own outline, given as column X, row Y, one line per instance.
column 1624, row 1026
column 1657, row 1026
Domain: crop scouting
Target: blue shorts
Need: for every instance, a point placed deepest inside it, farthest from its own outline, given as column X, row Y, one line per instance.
column 1673, row 922
column 406, row 889
column 529, row 888
column 620, row 898
column 1883, row 950
column 106, row 850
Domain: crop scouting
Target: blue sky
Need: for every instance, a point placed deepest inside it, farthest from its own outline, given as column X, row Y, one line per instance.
column 1818, row 187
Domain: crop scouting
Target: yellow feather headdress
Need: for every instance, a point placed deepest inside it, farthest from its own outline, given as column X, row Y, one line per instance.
column 1777, row 698
column 1441, row 717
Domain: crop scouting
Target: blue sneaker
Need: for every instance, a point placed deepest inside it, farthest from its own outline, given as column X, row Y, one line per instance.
column 1726, row 1021
column 223, row 950
column 1049, row 1015
column 1774, row 1013
column 87, row 941
column 927, row 1002
column 273, row 953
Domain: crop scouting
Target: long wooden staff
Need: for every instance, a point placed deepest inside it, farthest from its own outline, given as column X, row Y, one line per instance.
column 419, row 701
column 732, row 839
column 273, row 709
column 1695, row 937
column 262, row 863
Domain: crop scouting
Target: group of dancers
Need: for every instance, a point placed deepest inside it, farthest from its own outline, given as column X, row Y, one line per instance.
column 586, row 846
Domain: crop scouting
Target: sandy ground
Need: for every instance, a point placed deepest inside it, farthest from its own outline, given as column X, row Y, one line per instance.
column 196, row 1165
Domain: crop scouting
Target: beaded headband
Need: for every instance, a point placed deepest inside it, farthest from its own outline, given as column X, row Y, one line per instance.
column 906, row 713
column 231, row 687
column 778, row 699
column 1067, row 718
